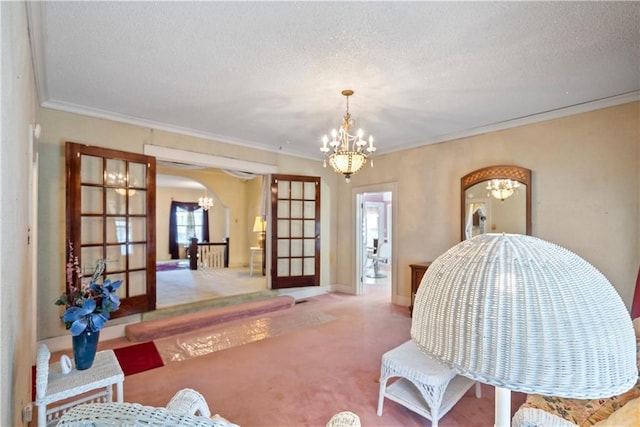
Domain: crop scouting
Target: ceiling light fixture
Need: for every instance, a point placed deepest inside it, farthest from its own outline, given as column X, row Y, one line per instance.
column 205, row 202
column 502, row 188
column 347, row 153
column 119, row 179
column 124, row 192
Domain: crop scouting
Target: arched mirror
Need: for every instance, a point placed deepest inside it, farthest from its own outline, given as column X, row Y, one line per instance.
column 496, row 199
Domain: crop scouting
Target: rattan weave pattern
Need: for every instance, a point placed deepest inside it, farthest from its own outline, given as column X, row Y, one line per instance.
column 531, row 417
column 524, row 314
column 133, row 414
column 54, row 386
column 189, row 401
column 428, row 376
column 344, row 419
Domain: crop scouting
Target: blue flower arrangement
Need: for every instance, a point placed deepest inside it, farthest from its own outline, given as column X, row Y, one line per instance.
column 88, row 303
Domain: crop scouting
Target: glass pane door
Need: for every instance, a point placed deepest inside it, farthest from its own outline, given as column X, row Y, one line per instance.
column 295, row 231
column 110, row 216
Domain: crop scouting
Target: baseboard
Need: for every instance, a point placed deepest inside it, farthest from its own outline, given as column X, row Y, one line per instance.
column 63, row 342
column 343, row 289
column 306, row 292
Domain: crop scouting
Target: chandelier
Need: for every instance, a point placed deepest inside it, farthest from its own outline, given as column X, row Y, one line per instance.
column 205, row 202
column 346, row 153
column 502, row 188
column 119, row 179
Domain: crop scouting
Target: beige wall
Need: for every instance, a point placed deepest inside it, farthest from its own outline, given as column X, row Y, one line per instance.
column 164, row 197
column 584, row 189
column 585, row 197
column 59, row 127
column 585, row 178
column 237, row 198
column 17, row 289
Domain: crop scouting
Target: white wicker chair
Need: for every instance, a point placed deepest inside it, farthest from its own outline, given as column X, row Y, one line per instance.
column 534, row 417
column 344, row 419
column 189, row 401
column 182, row 410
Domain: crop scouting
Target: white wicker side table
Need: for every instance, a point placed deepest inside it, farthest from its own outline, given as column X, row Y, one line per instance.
column 425, row 386
column 54, row 386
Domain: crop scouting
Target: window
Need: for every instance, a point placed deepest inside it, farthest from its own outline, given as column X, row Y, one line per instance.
column 189, row 223
column 186, row 220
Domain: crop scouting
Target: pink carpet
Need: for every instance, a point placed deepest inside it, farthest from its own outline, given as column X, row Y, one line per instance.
column 304, row 376
column 154, row 329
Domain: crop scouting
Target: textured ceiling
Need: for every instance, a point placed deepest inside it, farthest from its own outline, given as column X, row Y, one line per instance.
column 269, row 74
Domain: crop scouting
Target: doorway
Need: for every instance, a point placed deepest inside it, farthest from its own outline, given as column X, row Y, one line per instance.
column 201, row 170
column 375, row 233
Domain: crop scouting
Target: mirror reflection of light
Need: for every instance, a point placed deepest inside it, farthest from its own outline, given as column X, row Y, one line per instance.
column 508, row 216
column 502, row 188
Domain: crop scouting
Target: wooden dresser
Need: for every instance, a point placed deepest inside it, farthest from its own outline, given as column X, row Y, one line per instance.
column 417, row 271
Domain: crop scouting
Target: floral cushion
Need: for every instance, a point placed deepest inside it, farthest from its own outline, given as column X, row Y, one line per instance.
column 583, row 413
column 627, row 416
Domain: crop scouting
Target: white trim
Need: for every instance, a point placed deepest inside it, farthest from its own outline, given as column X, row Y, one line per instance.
column 356, row 194
column 191, row 157
column 527, row 120
column 37, row 29
column 305, row 292
column 146, row 123
column 123, row 118
column 33, row 224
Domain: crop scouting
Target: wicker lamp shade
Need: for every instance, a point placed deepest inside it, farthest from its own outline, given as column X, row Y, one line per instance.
column 524, row 314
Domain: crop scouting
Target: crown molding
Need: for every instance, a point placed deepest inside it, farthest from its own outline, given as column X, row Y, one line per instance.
column 585, row 107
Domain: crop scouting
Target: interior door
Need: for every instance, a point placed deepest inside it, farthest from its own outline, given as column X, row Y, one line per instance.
column 111, row 215
column 295, row 231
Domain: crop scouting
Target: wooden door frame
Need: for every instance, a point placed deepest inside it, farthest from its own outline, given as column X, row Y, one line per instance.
column 136, row 304
column 272, row 226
